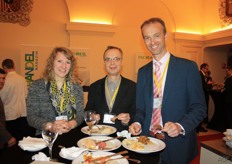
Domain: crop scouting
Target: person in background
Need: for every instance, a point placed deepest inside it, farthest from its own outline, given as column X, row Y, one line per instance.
column 56, row 98
column 207, row 86
column 209, row 80
column 113, row 95
column 227, row 92
column 13, row 96
column 169, row 98
column 5, row 136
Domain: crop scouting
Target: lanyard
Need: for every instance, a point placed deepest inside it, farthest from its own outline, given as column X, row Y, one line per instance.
column 62, row 98
column 159, row 83
column 108, row 93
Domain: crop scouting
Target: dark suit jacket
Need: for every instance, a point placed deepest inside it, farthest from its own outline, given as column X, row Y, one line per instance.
column 5, row 136
column 206, row 88
column 124, row 102
column 183, row 102
column 227, row 93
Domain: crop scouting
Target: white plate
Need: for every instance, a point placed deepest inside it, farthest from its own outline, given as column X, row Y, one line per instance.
column 66, row 157
column 149, row 148
column 34, row 149
column 79, row 160
column 110, row 145
column 32, row 144
column 72, row 152
column 95, row 130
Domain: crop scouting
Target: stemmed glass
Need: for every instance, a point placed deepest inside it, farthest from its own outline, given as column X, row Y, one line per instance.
column 90, row 119
column 49, row 135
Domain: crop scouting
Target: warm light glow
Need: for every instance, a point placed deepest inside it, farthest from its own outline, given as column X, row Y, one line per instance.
column 221, row 29
column 91, row 21
column 188, row 32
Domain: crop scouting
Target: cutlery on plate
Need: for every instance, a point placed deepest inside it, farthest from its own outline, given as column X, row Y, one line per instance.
column 108, row 156
column 160, row 128
column 108, row 139
column 159, row 135
column 125, row 157
column 112, row 159
column 134, row 160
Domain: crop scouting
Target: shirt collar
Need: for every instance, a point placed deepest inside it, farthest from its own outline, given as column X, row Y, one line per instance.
column 164, row 59
column 114, row 82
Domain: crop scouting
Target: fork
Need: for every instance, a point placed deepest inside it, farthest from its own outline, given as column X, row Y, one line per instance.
column 123, row 157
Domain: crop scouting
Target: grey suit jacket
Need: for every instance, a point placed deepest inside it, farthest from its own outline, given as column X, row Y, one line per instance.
column 40, row 109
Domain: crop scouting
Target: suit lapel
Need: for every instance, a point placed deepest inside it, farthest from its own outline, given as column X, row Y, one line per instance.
column 169, row 78
column 105, row 106
column 149, row 84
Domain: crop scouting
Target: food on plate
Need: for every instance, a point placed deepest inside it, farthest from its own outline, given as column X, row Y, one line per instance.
column 144, row 140
column 96, row 145
column 101, row 145
column 102, row 130
column 89, row 143
column 134, row 145
column 87, row 158
column 138, row 143
column 106, row 130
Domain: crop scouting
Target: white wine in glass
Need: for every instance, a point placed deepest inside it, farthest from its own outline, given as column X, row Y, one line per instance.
column 90, row 119
column 49, row 136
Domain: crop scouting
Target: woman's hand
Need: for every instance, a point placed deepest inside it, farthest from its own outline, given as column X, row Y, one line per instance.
column 64, row 126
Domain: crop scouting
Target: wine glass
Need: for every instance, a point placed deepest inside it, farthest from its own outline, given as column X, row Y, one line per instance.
column 90, row 119
column 49, row 135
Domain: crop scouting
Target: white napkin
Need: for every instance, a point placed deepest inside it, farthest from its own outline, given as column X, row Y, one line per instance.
column 40, row 157
column 72, row 152
column 32, row 144
column 124, row 133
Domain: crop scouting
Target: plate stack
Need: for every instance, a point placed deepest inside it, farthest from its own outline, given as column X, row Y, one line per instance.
column 228, row 137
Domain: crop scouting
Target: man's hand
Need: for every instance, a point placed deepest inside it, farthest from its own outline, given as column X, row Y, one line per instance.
column 12, row 141
column 172, row 129
column 124, row 117
column 135, row 129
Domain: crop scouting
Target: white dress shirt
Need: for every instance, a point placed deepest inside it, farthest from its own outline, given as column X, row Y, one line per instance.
column 13, row 96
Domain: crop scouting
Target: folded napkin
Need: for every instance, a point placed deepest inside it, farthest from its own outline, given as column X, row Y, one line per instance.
column 40, row 157
column 32, row 144
column 124, row 133
column 72, row 152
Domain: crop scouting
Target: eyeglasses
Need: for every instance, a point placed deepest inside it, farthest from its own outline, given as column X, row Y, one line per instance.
column 115, row 59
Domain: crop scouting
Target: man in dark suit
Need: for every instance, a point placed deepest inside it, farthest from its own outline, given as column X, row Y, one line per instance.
column 207, row 86
column 5, row 136
column 113, row 95
column 181, row 100
column 227, row 92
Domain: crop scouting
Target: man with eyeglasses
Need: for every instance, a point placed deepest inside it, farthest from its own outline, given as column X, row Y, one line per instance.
column 113, row 97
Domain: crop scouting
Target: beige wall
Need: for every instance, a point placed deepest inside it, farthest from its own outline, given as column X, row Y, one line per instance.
column 47, row 28
column 49, row 20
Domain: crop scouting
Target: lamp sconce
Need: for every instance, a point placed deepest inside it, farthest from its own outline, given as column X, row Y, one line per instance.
column 16, row 11
column 225, row 12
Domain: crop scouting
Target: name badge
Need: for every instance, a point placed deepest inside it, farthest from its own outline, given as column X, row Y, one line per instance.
column 157, row 102
column 107, row 118
column 62, row 118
